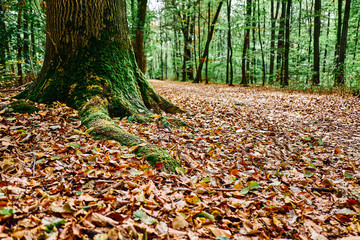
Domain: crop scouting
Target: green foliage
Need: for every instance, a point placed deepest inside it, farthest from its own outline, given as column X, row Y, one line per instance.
column 165, row 42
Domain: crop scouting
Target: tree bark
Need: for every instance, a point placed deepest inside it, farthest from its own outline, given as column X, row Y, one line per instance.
column 138, row 32
column 244, row 80
column 338, row 32
column 208, row 41
column 207, row 56
column 3, row 38
column 340, row 67
column 356, row 40
column 261, row 47
column 280, row 50
column 317, row 26
column 273, row 36
column 229, row 65
column 327, row 41
column 287, row 44
column 89, row 64
column 19, row 42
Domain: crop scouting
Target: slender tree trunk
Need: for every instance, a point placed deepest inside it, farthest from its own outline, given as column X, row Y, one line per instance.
column 280, row 52
column 207, row 56
column 253, row 75
column 229, row 66
column 273, row 37
column 340, row 68
column 244, row 79
column 26, row 48
column 90, row 65
column 317, row 26
column 356, row 40
column 32, row 35
column 208, row 41
column 19, row 42
column 338, row 32
column 327, row 41
column 3, row 38
column 310, row 35
column 161, row 50
column 287, row 44
column 138, row 32
column 261, row 47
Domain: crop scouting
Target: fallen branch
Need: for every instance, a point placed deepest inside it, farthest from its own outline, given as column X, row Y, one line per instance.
column 115, row 185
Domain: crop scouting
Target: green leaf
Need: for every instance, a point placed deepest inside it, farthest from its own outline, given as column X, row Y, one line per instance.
column 135, row 172
column 345, row 211
column 74, row 145
column 348, row 176
column 206, row 179
column 320, row 142
column 50, row 226
column 78, row 193
column 222, row 238
column 141, row 215
column 275, row 183
column 138, row 215
column 90, row 206
column 312, row 166
column 207, row 215
column 308, row 174
column 7, row 211
column 245, row 191
column 180, row 169
column 254, row 185
column 308, row 139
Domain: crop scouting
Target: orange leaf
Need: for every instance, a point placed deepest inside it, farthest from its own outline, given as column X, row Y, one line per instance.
column 158, row 165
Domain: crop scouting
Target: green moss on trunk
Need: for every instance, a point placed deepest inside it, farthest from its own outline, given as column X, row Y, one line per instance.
column 102, row 80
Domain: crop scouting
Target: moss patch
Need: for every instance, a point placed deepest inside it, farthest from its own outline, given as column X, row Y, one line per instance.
column 22, row 106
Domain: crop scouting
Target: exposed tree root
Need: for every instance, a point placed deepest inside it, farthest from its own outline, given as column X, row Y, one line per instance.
column 94, row 115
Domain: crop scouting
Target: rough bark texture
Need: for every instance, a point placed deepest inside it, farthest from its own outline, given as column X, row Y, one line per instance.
column 89, row 64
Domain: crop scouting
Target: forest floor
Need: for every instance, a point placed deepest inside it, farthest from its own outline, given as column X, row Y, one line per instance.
column 257, row 164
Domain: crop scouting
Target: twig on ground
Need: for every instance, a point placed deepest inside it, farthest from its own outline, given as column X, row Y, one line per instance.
column 34, row 161
column 113, row 186
column 208, row 189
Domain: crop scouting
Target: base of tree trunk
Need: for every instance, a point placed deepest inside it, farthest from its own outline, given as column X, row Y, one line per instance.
column 103, row 81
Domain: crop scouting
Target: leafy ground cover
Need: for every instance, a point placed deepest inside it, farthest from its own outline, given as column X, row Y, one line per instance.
column 256, row 164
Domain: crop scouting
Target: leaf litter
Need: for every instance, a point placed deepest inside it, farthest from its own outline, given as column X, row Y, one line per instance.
column 256, row 164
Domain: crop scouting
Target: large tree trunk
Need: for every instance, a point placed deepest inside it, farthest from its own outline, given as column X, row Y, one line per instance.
column 89, row 64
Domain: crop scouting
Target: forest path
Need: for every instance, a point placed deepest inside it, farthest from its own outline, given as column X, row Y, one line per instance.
column 332, row 118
